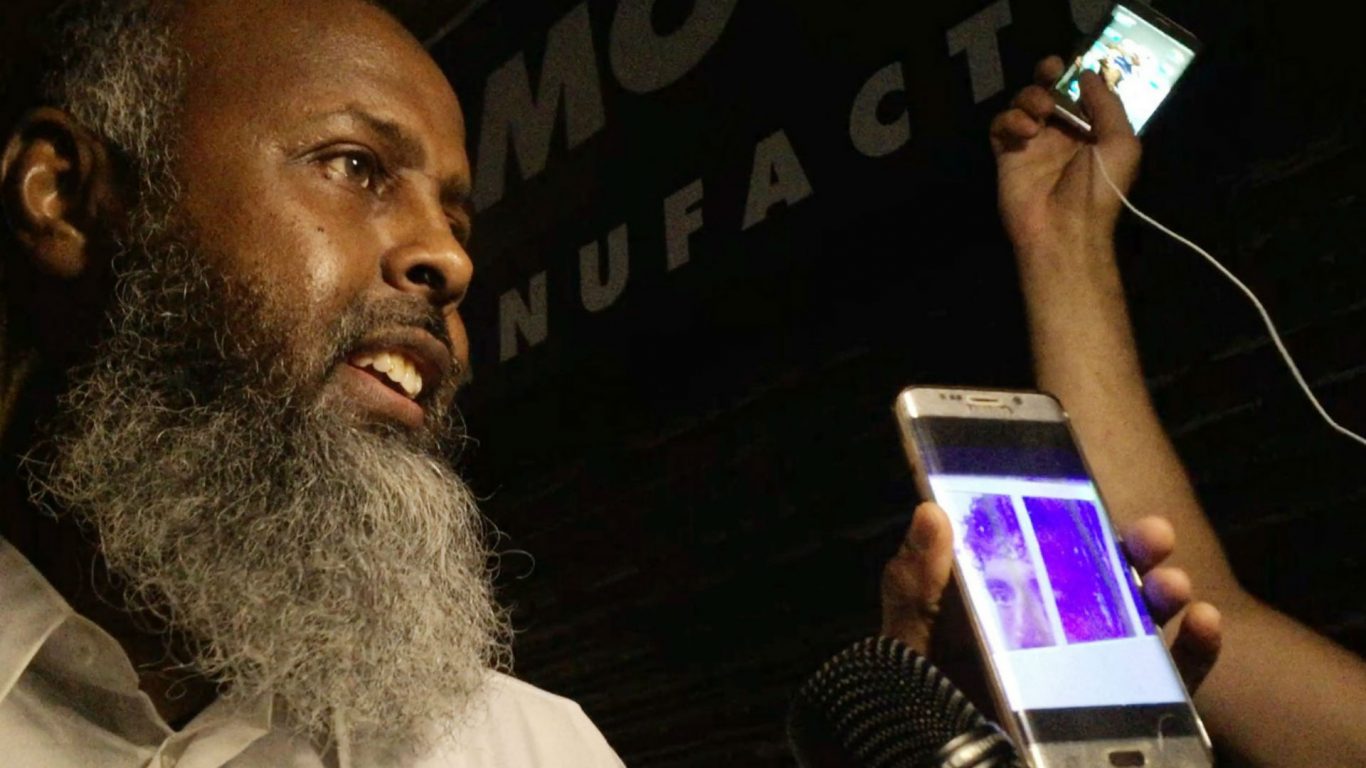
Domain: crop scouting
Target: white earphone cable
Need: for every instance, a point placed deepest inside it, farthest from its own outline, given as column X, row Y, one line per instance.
column 1266, row 317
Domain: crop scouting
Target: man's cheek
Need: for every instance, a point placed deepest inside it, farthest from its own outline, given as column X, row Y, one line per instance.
column 316, row 353
column 281, row 347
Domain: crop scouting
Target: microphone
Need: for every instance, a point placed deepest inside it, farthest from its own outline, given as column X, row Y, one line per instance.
column 879, row 704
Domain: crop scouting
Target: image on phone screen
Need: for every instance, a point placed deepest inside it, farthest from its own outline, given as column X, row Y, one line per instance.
column 1065, row 626
column 1137, row 59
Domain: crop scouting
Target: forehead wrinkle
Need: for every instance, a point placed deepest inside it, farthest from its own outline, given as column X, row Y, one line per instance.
column 277, row 58
column 256, row 78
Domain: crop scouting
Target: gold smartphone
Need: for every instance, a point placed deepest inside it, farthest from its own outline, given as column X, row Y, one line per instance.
column 1077, row 667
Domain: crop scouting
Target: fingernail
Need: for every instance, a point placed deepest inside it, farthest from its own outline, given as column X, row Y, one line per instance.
column 922, row 533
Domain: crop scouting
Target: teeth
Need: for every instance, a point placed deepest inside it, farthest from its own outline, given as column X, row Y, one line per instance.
column 397, row 368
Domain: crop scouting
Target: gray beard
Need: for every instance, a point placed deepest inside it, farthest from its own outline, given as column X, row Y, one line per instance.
column 339, row 567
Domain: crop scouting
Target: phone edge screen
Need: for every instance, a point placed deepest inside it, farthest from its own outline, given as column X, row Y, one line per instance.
column 1092, row 722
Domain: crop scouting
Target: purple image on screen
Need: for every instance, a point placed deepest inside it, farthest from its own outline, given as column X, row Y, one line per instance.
column 992, row 534
column 1087, row 594
column 1142, row 606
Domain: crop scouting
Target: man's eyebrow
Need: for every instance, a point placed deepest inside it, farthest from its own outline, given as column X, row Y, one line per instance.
column 410, row 150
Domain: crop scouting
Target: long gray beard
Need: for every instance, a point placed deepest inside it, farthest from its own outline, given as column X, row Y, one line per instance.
column 342, row 570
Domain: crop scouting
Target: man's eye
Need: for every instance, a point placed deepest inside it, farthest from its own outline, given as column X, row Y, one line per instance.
column 357, row 168
column 1001, row 592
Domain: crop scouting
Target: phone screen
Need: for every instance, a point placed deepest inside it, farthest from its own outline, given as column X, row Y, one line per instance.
column 1072, row 644
column 1137, row 58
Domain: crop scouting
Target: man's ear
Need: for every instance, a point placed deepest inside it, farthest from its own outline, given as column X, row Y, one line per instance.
column 59, row 187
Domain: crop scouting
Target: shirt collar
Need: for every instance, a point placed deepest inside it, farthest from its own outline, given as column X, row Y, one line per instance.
column 40, row 629
column 32, row 611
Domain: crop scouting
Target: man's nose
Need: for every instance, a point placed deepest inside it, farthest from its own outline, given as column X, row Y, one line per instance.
column 429, row 262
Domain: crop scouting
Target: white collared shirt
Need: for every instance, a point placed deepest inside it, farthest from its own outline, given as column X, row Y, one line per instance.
column 69, row 697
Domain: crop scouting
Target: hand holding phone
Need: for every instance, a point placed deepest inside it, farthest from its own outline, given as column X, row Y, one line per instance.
column 1077, row 667
column 1139, row 54
column 1054, row 201
column 916, row 579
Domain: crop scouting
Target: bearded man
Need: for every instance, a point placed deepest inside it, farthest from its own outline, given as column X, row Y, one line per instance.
column 233, row 259
column 230, row 350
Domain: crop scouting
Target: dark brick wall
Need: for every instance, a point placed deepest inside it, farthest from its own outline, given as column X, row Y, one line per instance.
column 692, row 566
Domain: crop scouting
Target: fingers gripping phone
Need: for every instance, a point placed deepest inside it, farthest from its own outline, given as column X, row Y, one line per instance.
column 1078, row 670
column 1139, row 53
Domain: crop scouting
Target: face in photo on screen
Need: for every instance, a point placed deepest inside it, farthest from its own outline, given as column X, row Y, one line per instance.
column 998, row 551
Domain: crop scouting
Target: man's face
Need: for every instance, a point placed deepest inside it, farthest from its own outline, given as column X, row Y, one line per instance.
column 324, row 177
column 234, row 442
column 1014, row 587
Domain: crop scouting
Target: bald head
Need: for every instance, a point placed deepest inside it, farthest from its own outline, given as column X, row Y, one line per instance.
column 313, row 148
column 268, row 60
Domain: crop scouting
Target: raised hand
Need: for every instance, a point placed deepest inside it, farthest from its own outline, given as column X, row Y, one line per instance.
column 1052, row 195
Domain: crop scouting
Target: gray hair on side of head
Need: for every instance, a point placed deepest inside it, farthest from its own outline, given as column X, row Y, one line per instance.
column 112, row 65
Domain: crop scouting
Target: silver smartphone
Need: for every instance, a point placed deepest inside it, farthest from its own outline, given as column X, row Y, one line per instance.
column 1139, row 53
column 1079, row 672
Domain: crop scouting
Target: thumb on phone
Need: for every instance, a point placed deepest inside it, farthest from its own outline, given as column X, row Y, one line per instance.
column 1108, row 118
column 914, row 580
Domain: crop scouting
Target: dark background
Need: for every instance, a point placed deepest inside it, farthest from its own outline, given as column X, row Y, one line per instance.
column 706, row 474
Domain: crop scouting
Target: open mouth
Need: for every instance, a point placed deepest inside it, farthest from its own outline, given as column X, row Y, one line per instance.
column 395, row 370
column 398, row 375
